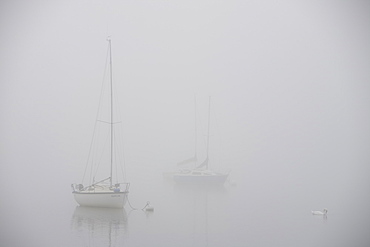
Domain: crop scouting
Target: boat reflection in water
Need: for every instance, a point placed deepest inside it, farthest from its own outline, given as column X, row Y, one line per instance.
column 99, row 226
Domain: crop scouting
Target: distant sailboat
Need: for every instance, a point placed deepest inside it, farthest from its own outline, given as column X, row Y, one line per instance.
column 200, row 174
column 104, row 193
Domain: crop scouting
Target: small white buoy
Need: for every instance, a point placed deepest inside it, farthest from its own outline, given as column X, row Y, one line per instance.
column 148, row 207
column 325, row 211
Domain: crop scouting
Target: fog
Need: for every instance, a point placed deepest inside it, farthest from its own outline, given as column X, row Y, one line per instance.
column 289, row 88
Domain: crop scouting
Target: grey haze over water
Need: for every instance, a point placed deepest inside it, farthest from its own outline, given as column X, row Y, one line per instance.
column 289, row 83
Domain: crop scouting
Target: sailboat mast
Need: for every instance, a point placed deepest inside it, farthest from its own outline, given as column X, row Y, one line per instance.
column 111, row 112
column 209, row 117
column 195, row 129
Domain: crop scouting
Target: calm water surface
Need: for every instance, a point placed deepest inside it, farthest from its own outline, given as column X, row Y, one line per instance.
column 241, row 213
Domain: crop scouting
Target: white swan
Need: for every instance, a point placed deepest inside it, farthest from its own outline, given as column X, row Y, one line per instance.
column 325, row 211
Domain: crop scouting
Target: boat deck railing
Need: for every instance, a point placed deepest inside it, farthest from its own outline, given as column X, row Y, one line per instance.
column 118, row 187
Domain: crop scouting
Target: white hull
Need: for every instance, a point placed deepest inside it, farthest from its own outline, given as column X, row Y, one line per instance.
column 101, row 199
column 200, row 177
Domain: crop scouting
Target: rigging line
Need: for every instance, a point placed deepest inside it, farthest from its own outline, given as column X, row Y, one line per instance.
column 95, row 154
column 122, row 145
column 123, row 167
column 97, row 115
column 209, row 118
column 115, row 158
column 122, row 158
column 98, row 131
column 102, row 153
column 202, row 127
column 120, row 161
column 92, row 159
column 218, row 136
column 120, row 135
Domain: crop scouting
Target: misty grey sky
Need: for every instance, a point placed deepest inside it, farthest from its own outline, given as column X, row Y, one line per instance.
column 289, row 82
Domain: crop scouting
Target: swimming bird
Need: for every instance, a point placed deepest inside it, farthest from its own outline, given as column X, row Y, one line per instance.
column 325, row 211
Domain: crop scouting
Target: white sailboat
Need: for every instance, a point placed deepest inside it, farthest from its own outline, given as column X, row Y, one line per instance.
column 103, row 193
column 201, row 174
